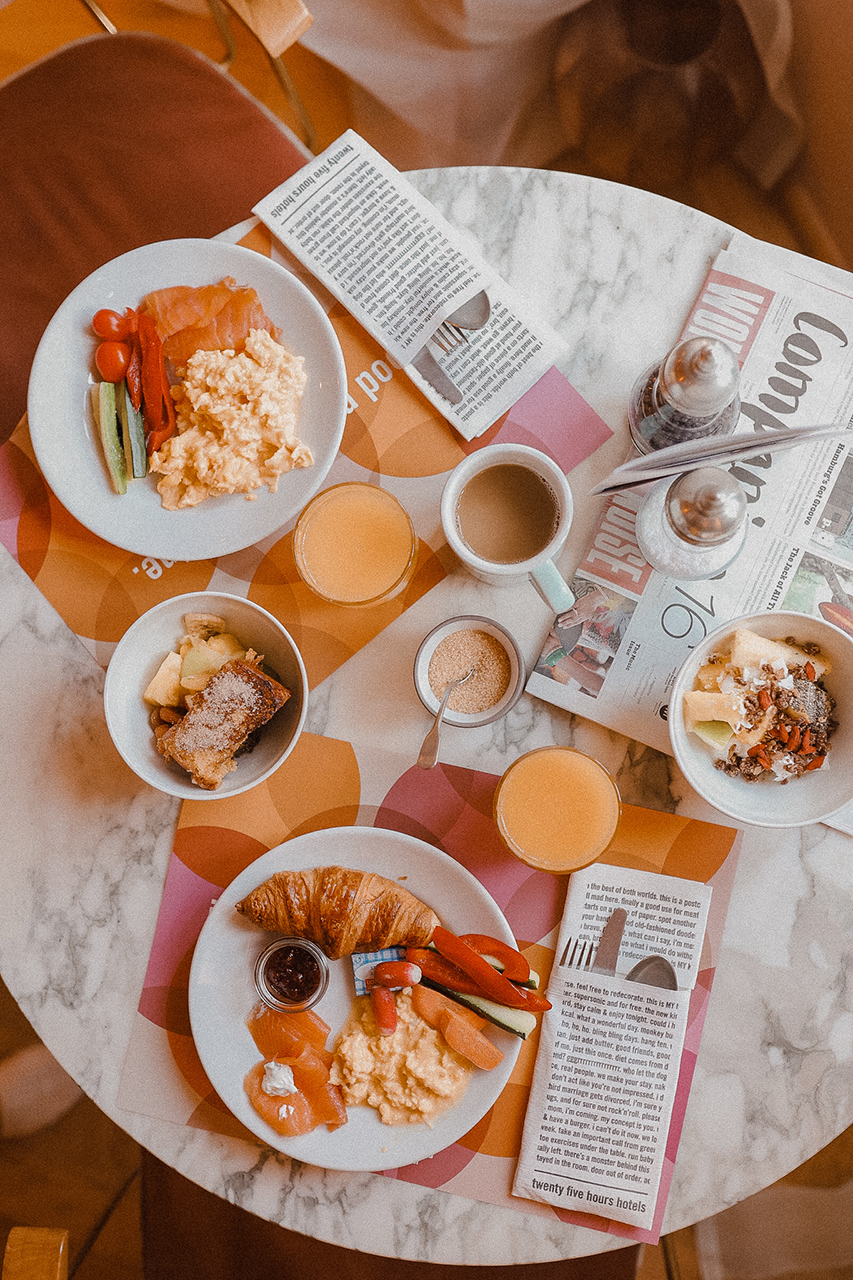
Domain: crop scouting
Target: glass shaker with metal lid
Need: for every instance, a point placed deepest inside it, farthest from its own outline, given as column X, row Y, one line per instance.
column 694, row 526
column 691, row 393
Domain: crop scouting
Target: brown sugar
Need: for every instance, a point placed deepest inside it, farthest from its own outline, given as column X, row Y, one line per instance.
column 458, row 653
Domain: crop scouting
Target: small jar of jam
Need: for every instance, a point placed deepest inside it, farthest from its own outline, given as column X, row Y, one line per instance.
column 291, row 974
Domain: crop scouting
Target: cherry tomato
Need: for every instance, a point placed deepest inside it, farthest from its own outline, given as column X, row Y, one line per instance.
column 111, row 360
column 111, row 325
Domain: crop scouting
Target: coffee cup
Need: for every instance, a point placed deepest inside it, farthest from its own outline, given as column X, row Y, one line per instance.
column 506, row 511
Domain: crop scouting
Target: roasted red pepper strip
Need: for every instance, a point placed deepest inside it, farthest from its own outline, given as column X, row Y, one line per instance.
column 133, row 377
column 437, row 969
column 493, row 984
column 515, row 967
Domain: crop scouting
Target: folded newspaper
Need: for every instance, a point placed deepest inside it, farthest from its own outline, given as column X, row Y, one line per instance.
column 614, row 655
column 600, row 1115
column 400, row 269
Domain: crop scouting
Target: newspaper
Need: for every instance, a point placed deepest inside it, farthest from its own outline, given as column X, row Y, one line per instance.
column 614, row 656
column 609, row 1057
column 400, row 269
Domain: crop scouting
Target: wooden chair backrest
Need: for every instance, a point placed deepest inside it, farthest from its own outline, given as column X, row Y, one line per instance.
column 36, row 1253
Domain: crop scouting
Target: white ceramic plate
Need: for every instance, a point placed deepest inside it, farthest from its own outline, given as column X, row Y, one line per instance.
column 222, row 993
column 65, row 438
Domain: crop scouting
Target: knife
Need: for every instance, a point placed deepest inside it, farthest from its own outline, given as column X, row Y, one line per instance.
column 610, row 942
column 429, row 369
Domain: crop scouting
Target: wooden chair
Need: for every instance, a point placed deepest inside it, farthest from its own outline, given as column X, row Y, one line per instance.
column 112, row 142
column 36, row 1253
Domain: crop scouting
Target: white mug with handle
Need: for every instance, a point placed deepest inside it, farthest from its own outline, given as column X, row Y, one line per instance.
column 506, row 511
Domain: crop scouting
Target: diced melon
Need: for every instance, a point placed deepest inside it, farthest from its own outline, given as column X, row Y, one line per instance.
column 751, row 650
column 716, row 733
column 165, row 688
column 701, row 706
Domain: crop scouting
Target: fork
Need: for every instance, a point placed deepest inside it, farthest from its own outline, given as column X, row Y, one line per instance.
column 448, row 337
column 578, row 953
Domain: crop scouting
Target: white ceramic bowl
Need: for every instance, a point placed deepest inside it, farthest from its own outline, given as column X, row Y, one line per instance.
column 138, row 656
column 766, row 803
column 428, row 646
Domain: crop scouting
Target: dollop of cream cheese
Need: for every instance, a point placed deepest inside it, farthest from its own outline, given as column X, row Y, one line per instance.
column 278, row 1080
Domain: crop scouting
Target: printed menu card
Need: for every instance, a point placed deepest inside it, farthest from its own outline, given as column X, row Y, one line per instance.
column 607, row 1068
column 400, row 269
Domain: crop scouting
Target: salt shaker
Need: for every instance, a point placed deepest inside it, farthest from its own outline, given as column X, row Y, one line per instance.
column 694, row 526
column 691, row 393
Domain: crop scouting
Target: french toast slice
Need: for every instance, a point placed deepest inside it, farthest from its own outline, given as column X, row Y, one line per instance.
column 236, row 701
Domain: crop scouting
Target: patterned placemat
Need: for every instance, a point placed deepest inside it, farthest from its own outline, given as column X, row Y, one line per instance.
column 328, row 783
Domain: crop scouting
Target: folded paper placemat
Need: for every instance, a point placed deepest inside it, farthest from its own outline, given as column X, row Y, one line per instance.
column 328, row 783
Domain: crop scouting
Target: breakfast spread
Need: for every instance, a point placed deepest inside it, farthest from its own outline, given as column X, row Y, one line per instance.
column 228, row 424
column 410, row 1044
column 340, row 909
column 762, row 707
column 210, row 696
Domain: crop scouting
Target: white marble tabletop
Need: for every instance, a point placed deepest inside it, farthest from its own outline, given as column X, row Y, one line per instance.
column 85, row 845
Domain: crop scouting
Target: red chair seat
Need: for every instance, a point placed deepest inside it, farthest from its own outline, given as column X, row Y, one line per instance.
column 113, row 142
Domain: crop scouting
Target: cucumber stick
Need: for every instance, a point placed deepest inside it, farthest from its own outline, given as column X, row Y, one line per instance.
column 521, row 1022
column 132, row 434
column 104, row 406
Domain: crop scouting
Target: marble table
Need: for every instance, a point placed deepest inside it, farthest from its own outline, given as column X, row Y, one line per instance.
column 85, row 845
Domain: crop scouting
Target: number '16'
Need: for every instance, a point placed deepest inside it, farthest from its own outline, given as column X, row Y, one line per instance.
column 679, row 620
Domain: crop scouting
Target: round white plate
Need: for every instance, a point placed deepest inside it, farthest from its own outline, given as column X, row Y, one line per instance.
column 65, row 438
column 222, row 993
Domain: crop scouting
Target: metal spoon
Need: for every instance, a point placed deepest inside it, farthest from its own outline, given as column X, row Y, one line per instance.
column 429, row 749
column 654, row 971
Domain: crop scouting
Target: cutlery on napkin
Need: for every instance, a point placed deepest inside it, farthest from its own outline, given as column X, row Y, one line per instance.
column 472, row 315
column 690, row 454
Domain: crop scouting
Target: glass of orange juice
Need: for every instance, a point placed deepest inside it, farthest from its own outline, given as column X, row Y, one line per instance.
column 354, row 544
column 557, row 809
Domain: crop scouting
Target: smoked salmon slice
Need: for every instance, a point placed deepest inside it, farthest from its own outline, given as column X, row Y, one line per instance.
column 289, row 1116
column 216, row 317
column 279, row 1035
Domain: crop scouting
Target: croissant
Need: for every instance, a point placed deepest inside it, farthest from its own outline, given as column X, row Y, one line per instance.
column 340, row 909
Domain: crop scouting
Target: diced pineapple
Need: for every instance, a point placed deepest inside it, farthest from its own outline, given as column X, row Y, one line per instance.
column 710, row 675
column 165, row 688
column 227, row 644
column 200, row 660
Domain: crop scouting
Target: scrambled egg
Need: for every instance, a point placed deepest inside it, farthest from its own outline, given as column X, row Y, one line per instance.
column 409, row 1077
column 236, row 418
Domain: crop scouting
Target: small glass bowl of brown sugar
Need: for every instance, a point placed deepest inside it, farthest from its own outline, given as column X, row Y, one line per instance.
column 470, row 643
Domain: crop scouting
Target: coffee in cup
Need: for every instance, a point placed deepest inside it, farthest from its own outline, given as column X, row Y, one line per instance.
column 506, row 511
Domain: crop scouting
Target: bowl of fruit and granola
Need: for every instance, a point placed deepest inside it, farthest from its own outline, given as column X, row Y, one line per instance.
column 205, row 695
column 761, row 719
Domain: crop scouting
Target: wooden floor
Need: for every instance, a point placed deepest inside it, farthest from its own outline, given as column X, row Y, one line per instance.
column 83, row 1172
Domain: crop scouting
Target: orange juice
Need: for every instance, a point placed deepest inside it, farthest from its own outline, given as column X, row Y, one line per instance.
column 557, row 809
column 354, row 544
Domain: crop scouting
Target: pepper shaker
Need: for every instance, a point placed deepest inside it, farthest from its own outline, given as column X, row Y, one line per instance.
column 691, row 393
column 694, row 526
